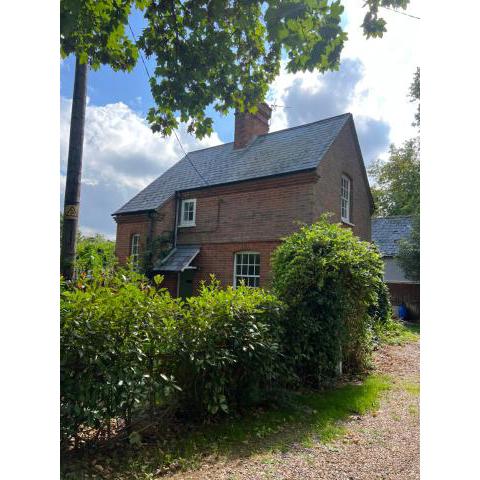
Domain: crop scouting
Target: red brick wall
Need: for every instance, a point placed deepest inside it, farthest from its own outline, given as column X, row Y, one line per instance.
column 219, row 259
column 343, row 159
column 128, row 225
column 258, row 210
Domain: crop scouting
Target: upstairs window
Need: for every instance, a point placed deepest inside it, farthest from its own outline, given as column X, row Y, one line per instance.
column 187, row 213
column 247, row 268
column 345, row 199
column 135, row 248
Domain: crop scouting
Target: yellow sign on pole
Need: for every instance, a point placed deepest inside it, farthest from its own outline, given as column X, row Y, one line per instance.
column 70, row 211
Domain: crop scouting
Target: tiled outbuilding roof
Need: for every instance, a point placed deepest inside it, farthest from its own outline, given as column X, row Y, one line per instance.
column 285, row 151
column 387, row 231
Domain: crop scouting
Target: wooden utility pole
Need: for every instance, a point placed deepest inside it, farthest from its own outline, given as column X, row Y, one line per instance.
column 74, row 172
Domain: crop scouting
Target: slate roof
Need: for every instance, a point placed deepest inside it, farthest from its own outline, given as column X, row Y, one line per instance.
column 178, row 259
column 285, row 151
column 387, row 231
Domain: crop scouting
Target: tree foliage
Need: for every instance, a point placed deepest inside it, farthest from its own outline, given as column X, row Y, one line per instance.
column 94, row 31
column 409, row 252
column 94, row 254
column 223, row 53
column 226, row 53
column 396, row 188
column 414, row 95
column 373, row 23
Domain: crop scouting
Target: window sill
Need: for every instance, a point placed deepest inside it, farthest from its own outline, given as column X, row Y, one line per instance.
column 346, row 222
column 186, row 225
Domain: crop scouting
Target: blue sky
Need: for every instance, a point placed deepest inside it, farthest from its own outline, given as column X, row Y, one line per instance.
column 122, row 155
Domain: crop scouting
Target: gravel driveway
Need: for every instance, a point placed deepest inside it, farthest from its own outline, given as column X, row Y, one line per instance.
column 382, row 445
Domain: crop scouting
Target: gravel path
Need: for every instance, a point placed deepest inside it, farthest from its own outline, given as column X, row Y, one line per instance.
column 382, row 445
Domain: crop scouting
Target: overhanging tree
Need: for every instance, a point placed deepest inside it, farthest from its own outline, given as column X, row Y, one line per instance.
column 223, row 53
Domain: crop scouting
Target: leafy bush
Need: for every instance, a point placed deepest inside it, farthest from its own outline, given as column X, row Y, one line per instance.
column 128, row 348
column 395, row 332
column 228, row 348
column 328, row 278
column 115, row 330
column 381, row 310
column 94, row 254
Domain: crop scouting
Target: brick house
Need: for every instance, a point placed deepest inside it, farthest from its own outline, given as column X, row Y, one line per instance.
column 224, row 209
column 387, row 232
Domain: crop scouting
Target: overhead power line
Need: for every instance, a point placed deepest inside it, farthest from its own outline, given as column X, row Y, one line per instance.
column 174, row 131
column 402, row 13
column 141, row 56
column 186, row 154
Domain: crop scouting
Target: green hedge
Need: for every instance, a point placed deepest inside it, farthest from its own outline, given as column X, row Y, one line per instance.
column 329, row 280
column 228, row 348
column 115, row 332
column 128, row 347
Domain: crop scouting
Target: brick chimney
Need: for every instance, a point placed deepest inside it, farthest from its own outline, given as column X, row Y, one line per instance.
column 250, row 125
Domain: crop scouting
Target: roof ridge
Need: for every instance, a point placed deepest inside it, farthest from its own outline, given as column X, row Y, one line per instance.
column 273, row 133
column 305, row 124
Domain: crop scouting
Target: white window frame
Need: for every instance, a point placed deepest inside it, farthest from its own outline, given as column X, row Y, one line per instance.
column 183, row 222
column 247, row 275
column 345, row 198
column 135, row 248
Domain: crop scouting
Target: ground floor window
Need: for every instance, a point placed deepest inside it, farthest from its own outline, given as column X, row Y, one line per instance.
column 135, row 248
column 247, row 268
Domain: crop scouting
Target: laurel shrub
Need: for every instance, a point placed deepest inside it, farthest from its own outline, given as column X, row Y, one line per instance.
column 129, row 349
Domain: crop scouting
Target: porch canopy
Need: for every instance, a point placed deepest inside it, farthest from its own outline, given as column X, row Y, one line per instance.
column 179, row 259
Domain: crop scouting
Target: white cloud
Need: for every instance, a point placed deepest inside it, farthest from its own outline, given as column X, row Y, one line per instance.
column 372, row 84
column 310, row 97
column 389, row 65
column 121, row 156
